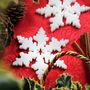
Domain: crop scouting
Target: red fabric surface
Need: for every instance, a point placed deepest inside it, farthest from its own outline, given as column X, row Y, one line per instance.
column 30, row 25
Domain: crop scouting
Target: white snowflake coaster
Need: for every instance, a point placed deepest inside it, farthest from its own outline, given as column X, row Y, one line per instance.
column 60, row 9
column 40, row 51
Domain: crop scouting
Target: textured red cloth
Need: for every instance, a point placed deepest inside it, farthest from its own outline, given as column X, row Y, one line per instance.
column 30, row 25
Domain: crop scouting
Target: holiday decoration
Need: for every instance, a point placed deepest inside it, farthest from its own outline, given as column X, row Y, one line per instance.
column 65, row 82
column 59, row 55
column 72, row 53
column 15, row 11
column 40, row 51
column 38, row 58
column 5, row 30
column 12, row 83
column 11, row 11
column 68, row 9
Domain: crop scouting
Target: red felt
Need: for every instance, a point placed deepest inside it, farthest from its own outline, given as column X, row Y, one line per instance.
column 30, row 25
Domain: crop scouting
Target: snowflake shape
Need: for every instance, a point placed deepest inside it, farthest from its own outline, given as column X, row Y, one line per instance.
column 60, row 9
column 40, row 51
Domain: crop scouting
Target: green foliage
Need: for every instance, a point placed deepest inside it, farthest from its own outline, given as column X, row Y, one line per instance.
column 30, row 84
column 1, row 46
column 11, row 11
column 87, row 87
column 76, row 86
column 7, row 82
column 2, row 36
column 15, row 11
column 65, row 83
column 5, row 35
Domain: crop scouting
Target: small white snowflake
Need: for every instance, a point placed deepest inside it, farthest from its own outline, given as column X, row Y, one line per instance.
column 60, row 9
column 38, row 50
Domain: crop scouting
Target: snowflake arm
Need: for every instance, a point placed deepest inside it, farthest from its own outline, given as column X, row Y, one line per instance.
column 63, row 42
column 84, row 8
column 40, row 67
column 25, row 42
column 40, row 37
column 56, row 45
column 55, row 3
column 76, row 8
column 46, row 11
column 48, row 56
column 56, row 21
column 49, row 10
column 72, row 19
column 60, row 64
column 24, row 59
column 67, row 3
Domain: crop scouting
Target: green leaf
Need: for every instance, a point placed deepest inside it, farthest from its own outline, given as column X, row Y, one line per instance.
column 26, row 84
column 30, row 84
column 64, row 81
column 76, row 86
column 38, row 87
column 87, row 86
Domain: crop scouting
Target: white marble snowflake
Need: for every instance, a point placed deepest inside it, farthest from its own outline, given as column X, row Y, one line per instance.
column 60, row 9
column 40, row 51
